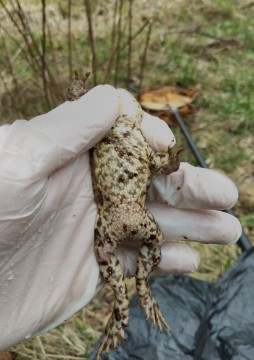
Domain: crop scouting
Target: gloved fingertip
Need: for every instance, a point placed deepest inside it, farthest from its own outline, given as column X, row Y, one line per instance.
column 157, row 133
column 232, row 229
column 128, row 106
column 232, row 191
column 178, row 258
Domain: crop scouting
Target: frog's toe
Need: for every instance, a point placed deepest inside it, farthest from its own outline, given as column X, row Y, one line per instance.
column 153, row 312
column 113, row 333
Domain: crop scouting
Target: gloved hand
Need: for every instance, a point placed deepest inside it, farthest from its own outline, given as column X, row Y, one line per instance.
column 48, row 270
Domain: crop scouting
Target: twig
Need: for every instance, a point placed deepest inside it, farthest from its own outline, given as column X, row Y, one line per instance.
column 54, row 94
column 246, row 6
column 69, row 41
column 129, row 43
column 33, row 47
column 41, row 347
column 112, row 52
column 198, row 32
column 143, row 59
column 33, row 64
column 125, row 45
column 142, row 27
column 9, row 59
column 119, row 37
column 12, row 98
column 43, row 56
column 21, row 50
column 34, row 54
column 91, row 39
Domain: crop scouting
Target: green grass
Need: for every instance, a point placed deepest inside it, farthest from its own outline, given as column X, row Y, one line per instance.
column 248, row 220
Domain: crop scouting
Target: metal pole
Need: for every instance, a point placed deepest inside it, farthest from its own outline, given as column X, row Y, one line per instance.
column 243, row 241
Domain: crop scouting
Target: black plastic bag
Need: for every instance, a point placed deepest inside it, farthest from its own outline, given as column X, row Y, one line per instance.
column 209, row 321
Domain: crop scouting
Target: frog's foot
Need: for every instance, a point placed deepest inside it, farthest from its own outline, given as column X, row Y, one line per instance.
column 173, row 163
column 77, row 87
column 149, row 257
column 153, row 313
column 113, row 333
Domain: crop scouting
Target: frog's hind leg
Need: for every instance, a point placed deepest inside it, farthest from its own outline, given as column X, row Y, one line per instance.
column 111, row 272
column 149, row 257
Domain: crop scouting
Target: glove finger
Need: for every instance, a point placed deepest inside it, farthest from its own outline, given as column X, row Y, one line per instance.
column 194, row 188
column 60, row 135
column 157, row 133
column 205, row 226
column 175, row 258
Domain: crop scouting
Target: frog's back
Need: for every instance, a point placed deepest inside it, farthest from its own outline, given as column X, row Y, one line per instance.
column 121, row 165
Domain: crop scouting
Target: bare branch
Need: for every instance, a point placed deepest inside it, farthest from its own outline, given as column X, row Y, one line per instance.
column 143, row 60
column 91, row 39
column 129, row 43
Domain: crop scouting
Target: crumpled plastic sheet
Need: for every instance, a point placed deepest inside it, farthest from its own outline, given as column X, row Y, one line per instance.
column 209, row 321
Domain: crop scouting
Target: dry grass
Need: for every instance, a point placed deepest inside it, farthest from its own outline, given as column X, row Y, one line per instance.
column 207, row 44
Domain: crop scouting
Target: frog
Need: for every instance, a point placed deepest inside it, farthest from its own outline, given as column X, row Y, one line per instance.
column 122, row 165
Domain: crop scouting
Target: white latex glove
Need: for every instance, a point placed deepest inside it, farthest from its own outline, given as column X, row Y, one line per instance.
column 48, row 270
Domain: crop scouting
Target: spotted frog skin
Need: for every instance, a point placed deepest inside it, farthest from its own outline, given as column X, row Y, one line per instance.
column 122, row 165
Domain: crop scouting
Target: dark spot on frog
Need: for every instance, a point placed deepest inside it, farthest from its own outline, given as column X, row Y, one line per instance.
column 123, row 325
column 185, row 237
column 110, row 270
column 153, row 237
column 108, row 239
column 126, row 134
column 100, row 244
column 120, row 151
column 117, row 315
column 179, row 188
column 138, row 281
column 110, row 140
column 150, row 245
column 130, row 174
column 121, row 179
column 134, row 232
column 124, row 227
column 155, row 259
column 117, row 262
column 120, row 300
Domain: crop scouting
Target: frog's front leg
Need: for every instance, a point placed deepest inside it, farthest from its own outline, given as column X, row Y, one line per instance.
column 165, row 163
column 111, row 272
